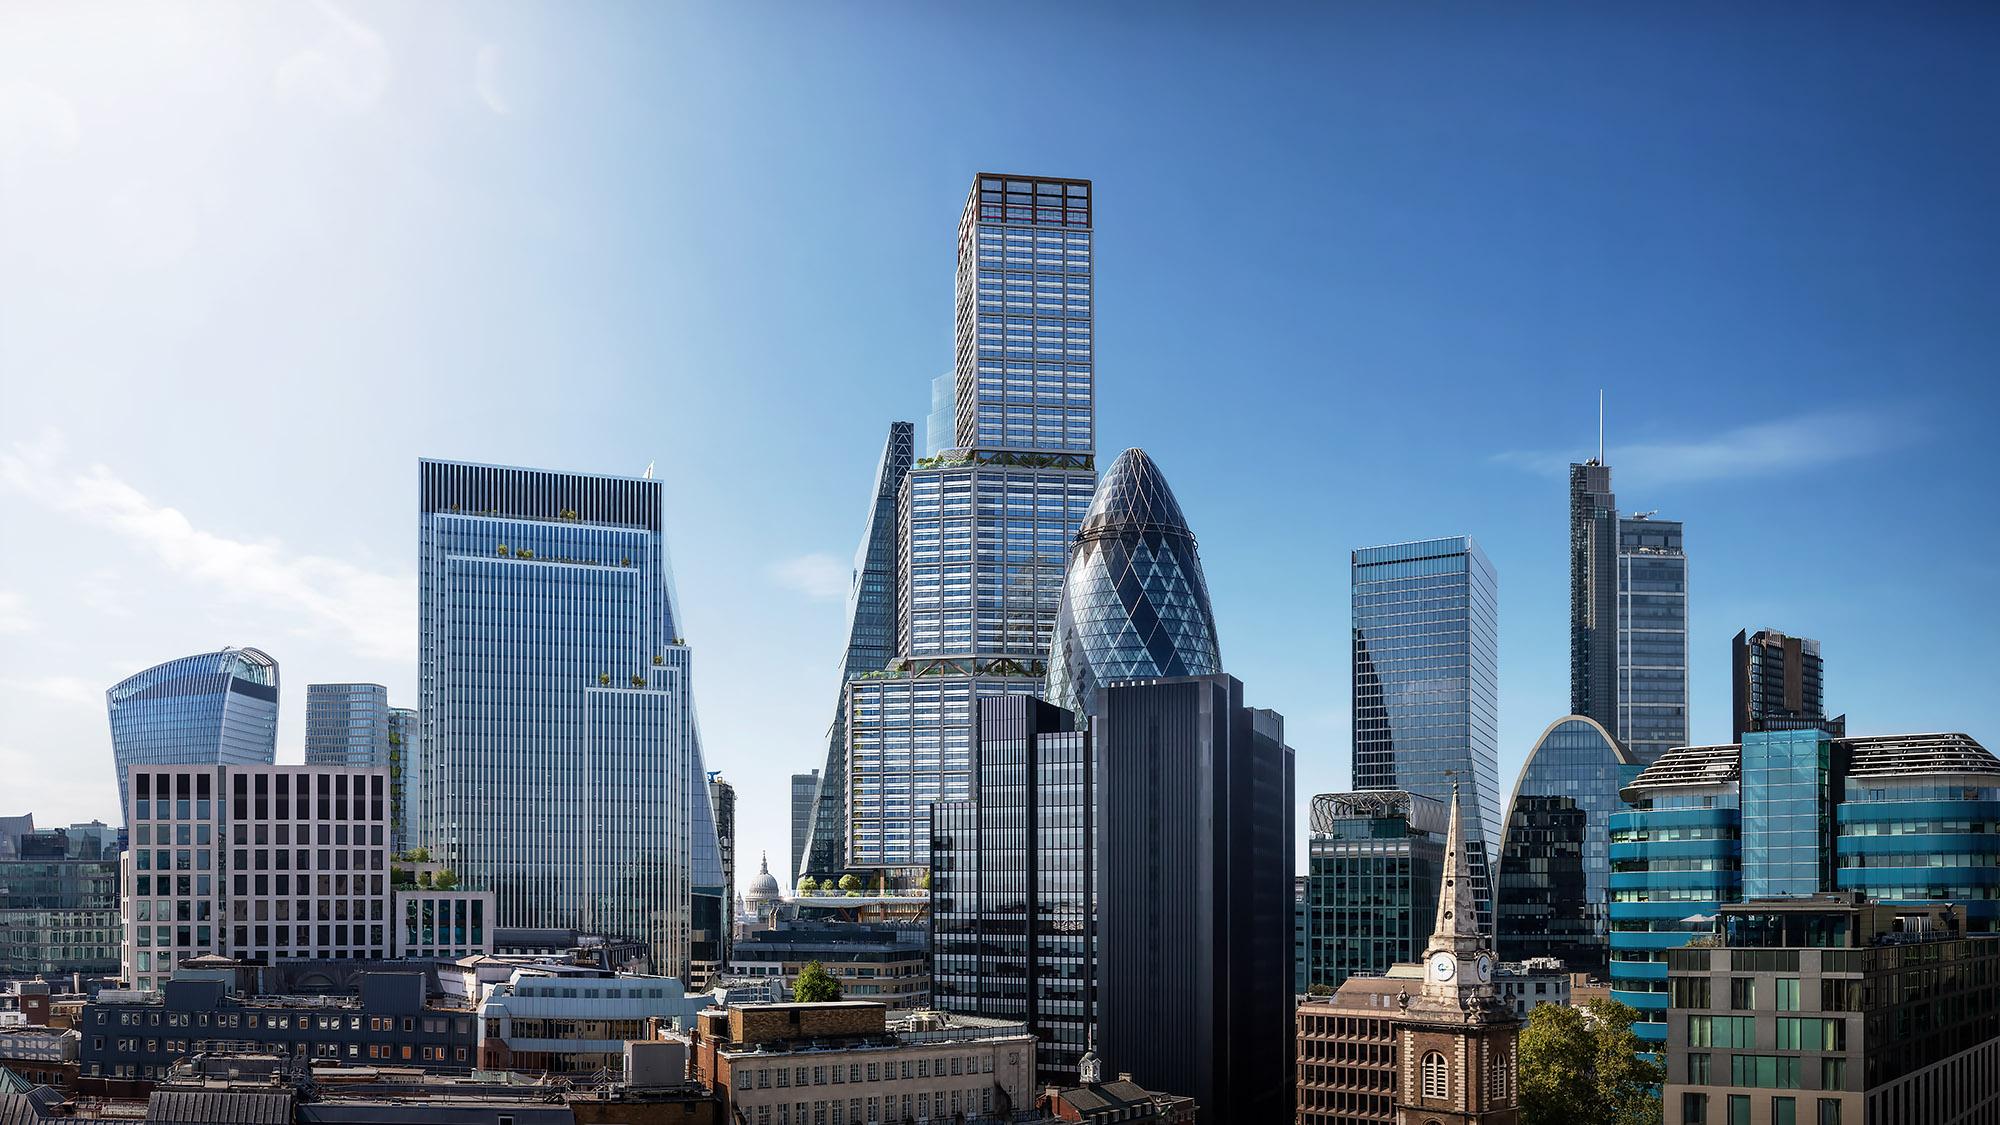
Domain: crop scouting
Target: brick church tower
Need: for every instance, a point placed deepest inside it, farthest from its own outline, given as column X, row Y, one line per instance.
column 1456, row 1041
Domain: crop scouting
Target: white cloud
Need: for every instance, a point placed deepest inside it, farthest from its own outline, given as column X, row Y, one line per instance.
column 346, row 72
column 818, row 575
column 375, row 612
column 74, row 691
column 486, row 79
column 34, row 118
column 14, row 616
column 1787, row 445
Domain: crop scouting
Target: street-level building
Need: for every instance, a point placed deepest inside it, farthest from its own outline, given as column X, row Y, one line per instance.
column 1906, row 819
column 255, row 862
column 131, row 1038
column 569, row 1020
column 802, row 1064
column 1833, row 1010
column 1426, row 1043
column 888, row 964
column 59, row 910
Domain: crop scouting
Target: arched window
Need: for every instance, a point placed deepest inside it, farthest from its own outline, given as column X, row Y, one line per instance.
column 1497, row 1082
column 1437, row 1080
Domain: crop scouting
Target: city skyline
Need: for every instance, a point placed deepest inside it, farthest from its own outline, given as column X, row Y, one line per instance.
column 307, row 555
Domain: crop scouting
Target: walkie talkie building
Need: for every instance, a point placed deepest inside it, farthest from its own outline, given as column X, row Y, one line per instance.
column 218, row 708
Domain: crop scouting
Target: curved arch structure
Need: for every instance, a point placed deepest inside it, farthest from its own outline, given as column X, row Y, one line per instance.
column 1552, row 896
column 212, row 708
column 1134, row 602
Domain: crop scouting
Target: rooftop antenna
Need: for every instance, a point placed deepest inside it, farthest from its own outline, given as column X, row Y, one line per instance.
column 1600, row 425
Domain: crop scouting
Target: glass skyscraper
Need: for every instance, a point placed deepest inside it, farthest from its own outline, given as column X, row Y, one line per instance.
column 1552, row 891
column 1013, row 913
column 1427, row 681
column 984, row 527
column 1900, row 818
column 871, row 644
column 1593, row 594
column 1134, row 603
column 218, row 708
column 1628, row 659
column 562, row 769
column 347, row 725
column 1652, row 637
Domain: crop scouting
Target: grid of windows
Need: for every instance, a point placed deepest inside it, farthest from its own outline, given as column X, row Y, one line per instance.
column 560, row 764
column 1426, row 682
column 1374, row 865
column 260, row 862
column 1652, row 637
column 1555, row 859
column 347, row 725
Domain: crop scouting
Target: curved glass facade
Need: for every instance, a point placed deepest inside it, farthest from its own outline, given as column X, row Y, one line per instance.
column 1551, row 893
column 218, row 708
column 1134, row 603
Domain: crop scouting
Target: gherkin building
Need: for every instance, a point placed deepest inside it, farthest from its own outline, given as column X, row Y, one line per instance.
column 1134, row 604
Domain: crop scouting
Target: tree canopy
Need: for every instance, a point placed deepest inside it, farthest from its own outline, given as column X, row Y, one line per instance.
column 815, row 985
column 1586, row 1064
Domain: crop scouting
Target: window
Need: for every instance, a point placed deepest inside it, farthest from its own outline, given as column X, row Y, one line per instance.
column 1694, row 1109
column 1788, row 994
column 1743, row 994
column 1497, row 1076
column 1832, row 1076
column 1437, row 1081
column 1697, row 1068
column 1785, row 1111
column 1739, row 1109
column 1829, row 1111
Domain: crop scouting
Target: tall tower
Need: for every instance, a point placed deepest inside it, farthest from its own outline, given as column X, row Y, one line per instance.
column 819, row 845
column 1457, row 1040
column 562, row 769
column 983, row 528
column 1593, row 594
column 218, row 708
column 1652, row 637
column 1427, row 681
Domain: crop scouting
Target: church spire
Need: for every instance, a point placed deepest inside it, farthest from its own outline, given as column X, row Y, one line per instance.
column 1458, row 909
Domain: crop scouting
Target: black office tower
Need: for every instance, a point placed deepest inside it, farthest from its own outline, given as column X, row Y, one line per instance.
column 1778, row 682
column 1194, row 895
column 1593, row 594
column 1012, row 923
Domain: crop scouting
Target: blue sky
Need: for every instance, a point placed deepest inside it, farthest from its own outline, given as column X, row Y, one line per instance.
column 1362, row 271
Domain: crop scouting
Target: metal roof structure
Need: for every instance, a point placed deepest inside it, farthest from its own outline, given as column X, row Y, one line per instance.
column 1888, row 755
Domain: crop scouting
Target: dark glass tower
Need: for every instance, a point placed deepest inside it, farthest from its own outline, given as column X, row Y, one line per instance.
column 1593, row 594
column 805, row 793
column 1427, row 681
column 1554, row 861
column 1194, row 844
column 1013, row 919
column 871, row 645
column 1134, row 603
column 1778, row 683
column 218, row 708
column 1375, row 860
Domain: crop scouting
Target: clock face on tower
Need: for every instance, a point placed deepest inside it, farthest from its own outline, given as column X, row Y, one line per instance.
column 1443, row 967
column 1485, row 968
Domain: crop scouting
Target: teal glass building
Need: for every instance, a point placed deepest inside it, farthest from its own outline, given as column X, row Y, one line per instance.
column 1427, row 682
column 561, row 765
column 217, row 708
column 1907, row 819
column 1374, row 862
